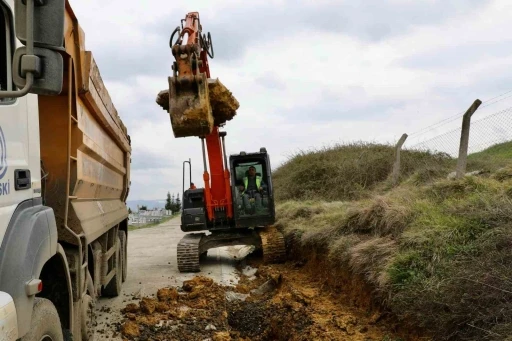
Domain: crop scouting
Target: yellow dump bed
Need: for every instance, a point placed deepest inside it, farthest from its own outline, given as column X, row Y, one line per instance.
column 85, row 148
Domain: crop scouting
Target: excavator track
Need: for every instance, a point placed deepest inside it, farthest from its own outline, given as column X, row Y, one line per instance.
column 273, row 244
column 188, row 252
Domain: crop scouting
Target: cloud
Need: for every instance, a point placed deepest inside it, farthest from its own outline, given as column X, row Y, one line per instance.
column 328, row 106
column 142, row 45
column 149, row 161
column 237, row 28
column 270, row 81
column 306, row 74
column 458, row 56
column 152, row 184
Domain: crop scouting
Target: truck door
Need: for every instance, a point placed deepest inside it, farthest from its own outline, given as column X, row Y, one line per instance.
column 16, row 177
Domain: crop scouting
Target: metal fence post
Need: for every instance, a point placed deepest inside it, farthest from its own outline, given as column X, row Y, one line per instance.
column 464, row 139
column 396, row 166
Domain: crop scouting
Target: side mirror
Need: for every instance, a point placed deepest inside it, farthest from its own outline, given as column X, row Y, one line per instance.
column 49, row 80
column 37, row 67
column 47, row 22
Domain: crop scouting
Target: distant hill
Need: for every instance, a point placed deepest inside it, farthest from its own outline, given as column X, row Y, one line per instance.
column 150, row 204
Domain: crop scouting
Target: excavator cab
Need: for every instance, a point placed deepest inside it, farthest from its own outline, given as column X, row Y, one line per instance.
column 252, row 206
column 252, row 220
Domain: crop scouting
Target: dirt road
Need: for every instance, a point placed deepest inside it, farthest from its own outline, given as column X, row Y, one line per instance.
column 152, row 265
column 223, row 303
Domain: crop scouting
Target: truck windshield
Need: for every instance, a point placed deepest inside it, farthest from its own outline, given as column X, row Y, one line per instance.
column 6, row 51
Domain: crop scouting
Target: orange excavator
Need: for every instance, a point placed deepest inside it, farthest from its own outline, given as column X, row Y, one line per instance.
column 236, row 205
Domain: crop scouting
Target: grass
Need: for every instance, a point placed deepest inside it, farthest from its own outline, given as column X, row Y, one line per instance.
column 499, row 154
column 145, row 226
column 349, row 172
column 436, row 251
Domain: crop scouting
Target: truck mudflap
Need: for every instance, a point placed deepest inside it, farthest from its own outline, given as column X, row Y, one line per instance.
column 8, row 318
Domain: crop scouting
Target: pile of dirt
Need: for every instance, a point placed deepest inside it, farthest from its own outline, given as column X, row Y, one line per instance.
column 224, row 105
column 278, row 302
column 197, row 113
column 192, row 312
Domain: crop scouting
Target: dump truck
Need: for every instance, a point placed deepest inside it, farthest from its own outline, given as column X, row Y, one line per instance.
column 64, row 177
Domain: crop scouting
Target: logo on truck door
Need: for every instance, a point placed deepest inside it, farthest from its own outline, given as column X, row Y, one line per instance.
column 3, row 154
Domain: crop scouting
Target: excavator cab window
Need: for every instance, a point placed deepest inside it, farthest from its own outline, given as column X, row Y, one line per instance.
column 251, row 200
column 6, row 50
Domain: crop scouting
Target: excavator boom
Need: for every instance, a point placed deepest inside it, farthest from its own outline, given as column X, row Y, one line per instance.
column 198, row 105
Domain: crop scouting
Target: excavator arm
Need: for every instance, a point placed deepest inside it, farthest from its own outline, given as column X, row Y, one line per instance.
column 198, row 106
column 196, row 103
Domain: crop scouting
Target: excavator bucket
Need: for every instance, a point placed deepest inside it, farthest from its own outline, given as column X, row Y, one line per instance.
column 189, row 106
column 194, row 102
column 195, row 108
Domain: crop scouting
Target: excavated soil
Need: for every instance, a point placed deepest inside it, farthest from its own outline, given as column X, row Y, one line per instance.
column 278, row 302
column 224, row 104
column 194, row 118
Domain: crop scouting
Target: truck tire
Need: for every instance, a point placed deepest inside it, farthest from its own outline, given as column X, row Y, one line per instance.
column 124, row 253
column 88, row 318
column 113, row 288
column 45, row 324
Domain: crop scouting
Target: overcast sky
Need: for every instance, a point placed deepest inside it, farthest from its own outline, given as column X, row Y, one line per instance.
column 306, row 74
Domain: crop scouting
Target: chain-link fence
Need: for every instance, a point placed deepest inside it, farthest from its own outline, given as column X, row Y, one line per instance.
column 469, row 144
column 484, row 133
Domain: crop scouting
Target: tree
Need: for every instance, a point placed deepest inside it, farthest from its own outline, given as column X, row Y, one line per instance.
column 175, row 203
column 168, row 203
column 129, row 210
column 143, row 208
column 178, row 203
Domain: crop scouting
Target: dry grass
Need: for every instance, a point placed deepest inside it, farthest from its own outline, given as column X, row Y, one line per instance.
column 349, row 172
column 503, row 174
column 437, row 250
column 370, row 258
column 383, row 215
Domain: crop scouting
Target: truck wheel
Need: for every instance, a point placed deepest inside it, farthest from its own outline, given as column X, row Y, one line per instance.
column 113, row 288
column 88, row 318
column 45, row 324
column 124, row 253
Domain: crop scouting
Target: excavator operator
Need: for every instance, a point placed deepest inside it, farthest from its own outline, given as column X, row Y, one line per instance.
column 253, row 185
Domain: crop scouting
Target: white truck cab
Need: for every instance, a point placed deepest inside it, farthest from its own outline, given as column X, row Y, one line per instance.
column 20, row 181
column 64, row 177
column 20, row 170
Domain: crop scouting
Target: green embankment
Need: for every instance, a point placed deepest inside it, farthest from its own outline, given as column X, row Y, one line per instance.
column 435, row 252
